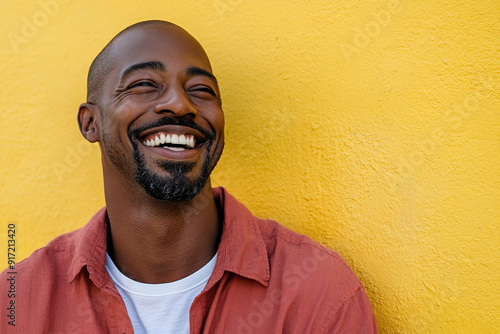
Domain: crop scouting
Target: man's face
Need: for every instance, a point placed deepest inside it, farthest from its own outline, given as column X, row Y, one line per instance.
column 162, row 122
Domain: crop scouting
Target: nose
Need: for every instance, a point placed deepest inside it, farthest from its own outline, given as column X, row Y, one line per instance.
column 176, row 101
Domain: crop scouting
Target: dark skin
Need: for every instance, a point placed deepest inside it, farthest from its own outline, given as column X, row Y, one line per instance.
column 153, row 240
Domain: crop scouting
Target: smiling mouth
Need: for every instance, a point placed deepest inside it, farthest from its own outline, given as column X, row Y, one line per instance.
column 171, row 141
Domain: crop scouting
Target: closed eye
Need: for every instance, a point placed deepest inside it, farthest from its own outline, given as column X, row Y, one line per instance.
column 142, row 84
column 204, row 89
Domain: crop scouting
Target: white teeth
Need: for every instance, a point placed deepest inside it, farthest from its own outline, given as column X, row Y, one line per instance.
column 161, row 139
column 190, row 141
column 182, row 140
column 177, row 149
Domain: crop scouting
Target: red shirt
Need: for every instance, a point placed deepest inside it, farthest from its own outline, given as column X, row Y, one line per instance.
column 267, row 279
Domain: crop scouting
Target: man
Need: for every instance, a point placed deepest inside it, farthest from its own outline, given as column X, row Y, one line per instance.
column 169, row 254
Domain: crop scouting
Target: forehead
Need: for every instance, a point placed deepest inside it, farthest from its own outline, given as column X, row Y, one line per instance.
column 170, row 45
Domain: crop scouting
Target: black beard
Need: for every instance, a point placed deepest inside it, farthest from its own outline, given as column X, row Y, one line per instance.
column 176, row 187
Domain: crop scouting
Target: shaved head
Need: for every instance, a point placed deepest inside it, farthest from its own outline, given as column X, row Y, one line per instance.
column 104, row 62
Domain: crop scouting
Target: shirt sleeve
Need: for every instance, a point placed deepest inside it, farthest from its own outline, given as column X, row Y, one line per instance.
column 355, row 315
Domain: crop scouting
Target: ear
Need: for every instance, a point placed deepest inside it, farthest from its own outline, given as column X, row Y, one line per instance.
column 88, row 121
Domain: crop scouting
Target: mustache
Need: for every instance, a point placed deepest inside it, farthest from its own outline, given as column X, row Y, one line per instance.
column 169, row 120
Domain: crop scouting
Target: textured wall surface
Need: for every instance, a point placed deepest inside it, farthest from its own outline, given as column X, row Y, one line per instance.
column 371, row 126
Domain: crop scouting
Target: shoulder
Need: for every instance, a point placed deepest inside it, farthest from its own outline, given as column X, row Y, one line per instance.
column 67, row 251
column 34, row 283
column 318, row 279
column 297, row 249
column 306, row 265
column 291, row 257
column 49, row 260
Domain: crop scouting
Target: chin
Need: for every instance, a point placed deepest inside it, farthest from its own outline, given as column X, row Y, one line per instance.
column 177, row 186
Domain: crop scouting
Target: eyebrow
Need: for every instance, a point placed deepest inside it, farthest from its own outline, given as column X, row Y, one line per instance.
column 149, row 65
column 196, row 71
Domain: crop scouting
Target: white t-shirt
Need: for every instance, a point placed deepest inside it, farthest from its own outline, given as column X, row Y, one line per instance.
column 160, row 308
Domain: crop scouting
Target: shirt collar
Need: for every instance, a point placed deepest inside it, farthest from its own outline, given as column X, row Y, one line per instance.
column 241, row 249
column 90, row 249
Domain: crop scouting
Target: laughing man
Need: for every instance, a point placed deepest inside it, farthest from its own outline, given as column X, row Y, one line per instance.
column 169, row 254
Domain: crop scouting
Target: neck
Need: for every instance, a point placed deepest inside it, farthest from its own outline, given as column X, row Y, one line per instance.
column 155, row 241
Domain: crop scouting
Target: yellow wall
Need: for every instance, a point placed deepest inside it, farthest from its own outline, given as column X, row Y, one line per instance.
column 371, row 126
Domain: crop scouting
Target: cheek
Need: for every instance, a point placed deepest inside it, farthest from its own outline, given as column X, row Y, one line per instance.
column 115, row 123
column 126, row 110
column 218, row 122
column 109, row 131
